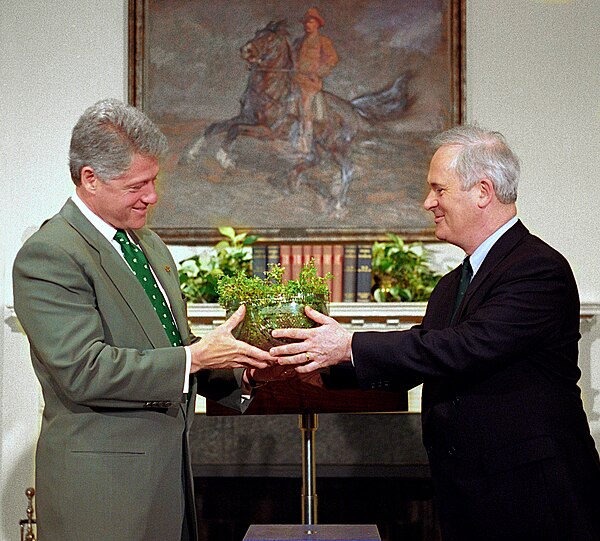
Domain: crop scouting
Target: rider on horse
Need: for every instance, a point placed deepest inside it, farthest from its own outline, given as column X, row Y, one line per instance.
column 315, row 57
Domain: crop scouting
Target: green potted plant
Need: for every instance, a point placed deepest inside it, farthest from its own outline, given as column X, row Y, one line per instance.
column 199, row 275
column 401, row 271
column 272, row 302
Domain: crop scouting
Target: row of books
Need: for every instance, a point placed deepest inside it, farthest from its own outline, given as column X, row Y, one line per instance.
column 350, row 265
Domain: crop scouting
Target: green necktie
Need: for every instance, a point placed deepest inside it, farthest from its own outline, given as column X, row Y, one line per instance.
column 465, row 279
column 139, row 265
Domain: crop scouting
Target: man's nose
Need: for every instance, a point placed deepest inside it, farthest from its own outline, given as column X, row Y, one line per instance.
column 150, row 196
column 430, row 201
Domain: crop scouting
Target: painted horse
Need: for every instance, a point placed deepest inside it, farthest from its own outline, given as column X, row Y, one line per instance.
column 269, row 110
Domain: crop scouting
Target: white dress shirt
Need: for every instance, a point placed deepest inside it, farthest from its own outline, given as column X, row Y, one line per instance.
column 484, row 248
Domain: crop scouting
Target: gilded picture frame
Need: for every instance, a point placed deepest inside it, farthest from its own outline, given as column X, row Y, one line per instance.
column 358, row 176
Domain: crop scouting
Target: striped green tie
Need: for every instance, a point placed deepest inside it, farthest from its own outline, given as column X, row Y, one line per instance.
column 139, row 265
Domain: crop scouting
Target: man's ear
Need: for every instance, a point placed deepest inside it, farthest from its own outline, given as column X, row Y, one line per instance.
column 486, row 193
column 89, row 180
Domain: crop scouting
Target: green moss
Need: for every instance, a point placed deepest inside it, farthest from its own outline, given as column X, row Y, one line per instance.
column 272, row 303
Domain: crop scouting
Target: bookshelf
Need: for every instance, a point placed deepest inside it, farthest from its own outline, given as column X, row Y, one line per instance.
column 350, row 265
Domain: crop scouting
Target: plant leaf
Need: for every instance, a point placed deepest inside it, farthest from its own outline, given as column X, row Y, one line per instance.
column 227, row 231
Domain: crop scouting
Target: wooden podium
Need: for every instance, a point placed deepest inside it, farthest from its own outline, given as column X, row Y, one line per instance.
column 320, row 532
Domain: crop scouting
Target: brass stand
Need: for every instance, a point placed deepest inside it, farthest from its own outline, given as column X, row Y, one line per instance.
column 27, row 523
column 308, row 423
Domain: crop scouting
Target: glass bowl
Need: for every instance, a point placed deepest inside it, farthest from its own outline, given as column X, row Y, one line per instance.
column 264, row 315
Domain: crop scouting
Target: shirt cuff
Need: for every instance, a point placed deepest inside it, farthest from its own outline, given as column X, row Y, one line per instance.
column 245, row 388
column 188, row 368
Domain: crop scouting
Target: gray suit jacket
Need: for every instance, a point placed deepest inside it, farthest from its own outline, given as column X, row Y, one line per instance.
column 113, row 460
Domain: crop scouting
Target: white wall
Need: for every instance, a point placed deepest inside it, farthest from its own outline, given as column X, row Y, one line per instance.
column 532, row 73
column 57, row 59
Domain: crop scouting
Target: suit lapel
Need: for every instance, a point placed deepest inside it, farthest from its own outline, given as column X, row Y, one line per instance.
column 503, row 246
column 169, row 280
column 118, row 272
column 441, row 303
column 168, row 277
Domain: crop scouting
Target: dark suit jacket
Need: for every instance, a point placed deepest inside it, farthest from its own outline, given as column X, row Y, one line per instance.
column 508, row 442
column 113, row 461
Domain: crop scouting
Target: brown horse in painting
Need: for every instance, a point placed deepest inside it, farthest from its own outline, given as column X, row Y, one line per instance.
column 269, row 110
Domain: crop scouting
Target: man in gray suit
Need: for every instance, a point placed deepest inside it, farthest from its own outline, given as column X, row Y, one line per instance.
column 111, row 347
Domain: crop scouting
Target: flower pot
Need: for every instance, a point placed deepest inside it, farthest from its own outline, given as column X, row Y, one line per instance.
column 264, row 315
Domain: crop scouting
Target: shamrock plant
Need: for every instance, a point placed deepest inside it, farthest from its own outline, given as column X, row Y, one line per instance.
column 272, row 302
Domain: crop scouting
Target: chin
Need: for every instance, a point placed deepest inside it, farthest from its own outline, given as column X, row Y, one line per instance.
column 136, row 221
column 136, row 224
column 440, row 234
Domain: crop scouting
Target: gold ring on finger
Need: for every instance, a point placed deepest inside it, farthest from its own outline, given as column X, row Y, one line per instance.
column 307, row 357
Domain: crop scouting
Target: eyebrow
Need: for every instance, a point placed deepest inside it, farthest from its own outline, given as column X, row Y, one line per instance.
column 141, row 181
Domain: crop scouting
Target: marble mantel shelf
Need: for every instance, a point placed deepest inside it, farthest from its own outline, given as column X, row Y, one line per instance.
column 353, row 312
column 356, row 315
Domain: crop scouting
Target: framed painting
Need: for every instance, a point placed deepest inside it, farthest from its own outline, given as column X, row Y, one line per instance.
column 296, row 121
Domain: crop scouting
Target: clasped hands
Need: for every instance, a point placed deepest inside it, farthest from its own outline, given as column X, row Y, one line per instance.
column 314, row 349
column 326, row 345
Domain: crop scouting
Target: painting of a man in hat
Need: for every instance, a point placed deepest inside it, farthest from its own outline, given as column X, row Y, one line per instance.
column 315, row 57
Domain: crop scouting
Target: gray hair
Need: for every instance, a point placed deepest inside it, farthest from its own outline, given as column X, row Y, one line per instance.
column 107, row 136
column 483, row 153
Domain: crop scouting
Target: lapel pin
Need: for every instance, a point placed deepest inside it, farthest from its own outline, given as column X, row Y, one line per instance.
column 167, row 268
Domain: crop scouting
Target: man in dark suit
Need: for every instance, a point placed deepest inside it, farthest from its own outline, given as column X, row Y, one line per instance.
column 98, row 295
column 509, row 446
